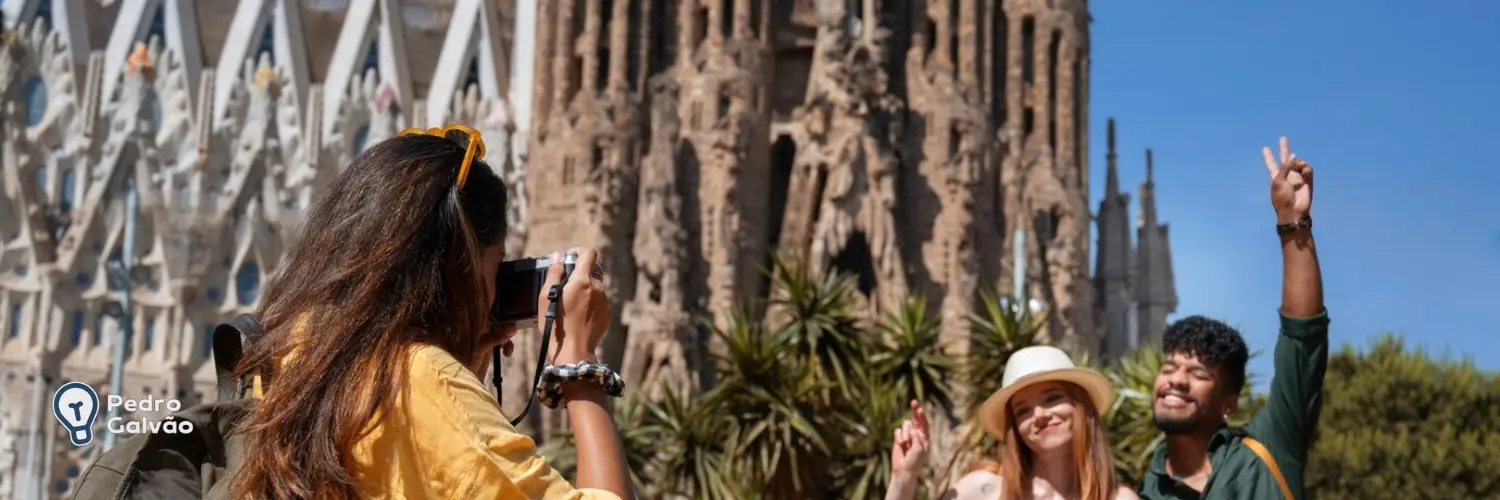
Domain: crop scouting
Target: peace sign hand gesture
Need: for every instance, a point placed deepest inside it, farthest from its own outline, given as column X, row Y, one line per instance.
column 911, row 443
column 1291, row 184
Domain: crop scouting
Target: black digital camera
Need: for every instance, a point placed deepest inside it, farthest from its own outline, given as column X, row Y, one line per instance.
column 519, row 282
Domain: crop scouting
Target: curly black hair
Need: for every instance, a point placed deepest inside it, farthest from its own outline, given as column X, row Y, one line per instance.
column 1214, row 343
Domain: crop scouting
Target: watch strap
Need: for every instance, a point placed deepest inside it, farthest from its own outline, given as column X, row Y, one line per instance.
column 1305, row 222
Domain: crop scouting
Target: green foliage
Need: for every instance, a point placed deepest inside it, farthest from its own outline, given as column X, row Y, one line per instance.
column 767, row 390
column 1398, row 424
column 915, row 360
column 816, row 319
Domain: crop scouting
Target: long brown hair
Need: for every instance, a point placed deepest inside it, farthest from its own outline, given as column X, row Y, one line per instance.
column 388, row 258
column 1096, row 472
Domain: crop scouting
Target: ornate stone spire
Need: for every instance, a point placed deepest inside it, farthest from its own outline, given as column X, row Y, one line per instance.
column 1155, row 292
column 1112, row 269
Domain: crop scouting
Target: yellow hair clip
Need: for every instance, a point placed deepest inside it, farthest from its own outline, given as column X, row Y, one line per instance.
column 473, row 145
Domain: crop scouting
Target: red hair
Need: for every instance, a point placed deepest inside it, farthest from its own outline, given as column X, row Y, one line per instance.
column 1096, row 478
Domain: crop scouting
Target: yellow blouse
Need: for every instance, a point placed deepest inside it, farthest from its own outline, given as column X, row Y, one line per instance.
column 447, row 438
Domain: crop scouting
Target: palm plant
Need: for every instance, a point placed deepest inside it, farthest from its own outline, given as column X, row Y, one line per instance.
column 913, row 358
column 815, row 312
column 766, row 391
column 692, row 446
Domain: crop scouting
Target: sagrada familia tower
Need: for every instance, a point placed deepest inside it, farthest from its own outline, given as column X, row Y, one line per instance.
column 158, row 154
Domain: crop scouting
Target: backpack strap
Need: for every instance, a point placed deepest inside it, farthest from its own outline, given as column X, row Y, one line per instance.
column 230, row 339
column 1265, row 456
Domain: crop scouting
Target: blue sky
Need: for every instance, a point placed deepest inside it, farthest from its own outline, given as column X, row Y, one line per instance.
column 1395, row 106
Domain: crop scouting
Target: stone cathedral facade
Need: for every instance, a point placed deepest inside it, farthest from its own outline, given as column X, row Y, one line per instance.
column 907, row 142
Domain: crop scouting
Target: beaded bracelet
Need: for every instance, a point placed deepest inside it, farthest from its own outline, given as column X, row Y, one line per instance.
column 554, row 376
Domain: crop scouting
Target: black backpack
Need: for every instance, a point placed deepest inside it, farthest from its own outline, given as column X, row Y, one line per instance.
column 195, row 464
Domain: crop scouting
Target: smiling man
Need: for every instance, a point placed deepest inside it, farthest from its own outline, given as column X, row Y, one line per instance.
column 1204, row 370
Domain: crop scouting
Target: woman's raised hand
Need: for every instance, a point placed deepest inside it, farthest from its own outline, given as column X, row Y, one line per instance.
column 911, row 442
column 584, row 313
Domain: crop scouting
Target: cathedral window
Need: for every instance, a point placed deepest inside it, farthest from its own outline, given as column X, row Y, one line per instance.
column 98, row 329
column 700, row 26
column 150, row 336
column 953, row 24
column 68, row 196
column 663, row 32
column 267, row 43
column 1052, row 55
column 36, row 101
column 634, row 32
column 15, row 321
column 372, row 57
column 601, row 40
column 471, row 76
column 855, row 260
column 247, row 283
column 1028, row 50
column 116, row 261
column 44, row 14
column 158, row 28
column 929, row 36
column 726, row 18
column 77, row 333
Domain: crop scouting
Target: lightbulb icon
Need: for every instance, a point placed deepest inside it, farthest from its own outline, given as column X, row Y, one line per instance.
column 76, row 405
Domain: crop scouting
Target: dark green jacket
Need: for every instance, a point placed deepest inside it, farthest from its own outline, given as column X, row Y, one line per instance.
column 1285, row 425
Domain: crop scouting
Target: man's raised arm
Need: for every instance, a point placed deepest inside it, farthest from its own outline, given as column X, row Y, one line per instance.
column 1286, row 424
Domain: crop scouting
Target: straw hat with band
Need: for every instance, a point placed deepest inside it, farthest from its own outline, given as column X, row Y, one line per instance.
column 1041, row 364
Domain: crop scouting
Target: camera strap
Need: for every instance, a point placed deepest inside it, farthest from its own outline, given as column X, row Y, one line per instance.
column 554, row 295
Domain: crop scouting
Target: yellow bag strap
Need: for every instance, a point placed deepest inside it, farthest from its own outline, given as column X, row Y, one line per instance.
column 1265, row 456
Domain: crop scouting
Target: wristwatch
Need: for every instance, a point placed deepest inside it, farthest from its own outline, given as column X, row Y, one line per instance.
column 1285, row 229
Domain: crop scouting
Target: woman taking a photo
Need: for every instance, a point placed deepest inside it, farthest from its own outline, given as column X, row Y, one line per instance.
column 1047, row 414
column 377, row 327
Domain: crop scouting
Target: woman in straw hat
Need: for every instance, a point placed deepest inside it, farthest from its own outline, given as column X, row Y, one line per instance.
column 1054, row 410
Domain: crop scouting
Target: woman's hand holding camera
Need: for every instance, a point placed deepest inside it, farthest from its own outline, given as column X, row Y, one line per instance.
column 579, row 324
column 583, row 314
